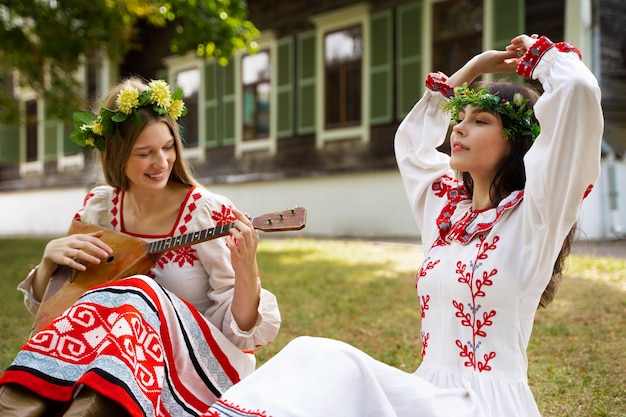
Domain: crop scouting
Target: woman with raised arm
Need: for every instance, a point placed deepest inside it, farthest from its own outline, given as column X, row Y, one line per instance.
column 495, row 218
column 170, row 342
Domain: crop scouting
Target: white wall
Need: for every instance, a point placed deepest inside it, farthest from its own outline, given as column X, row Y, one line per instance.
column 367, row 205
column 355, row 205
column 39, row 212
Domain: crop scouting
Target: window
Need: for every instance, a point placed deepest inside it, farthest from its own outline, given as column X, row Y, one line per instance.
column 32, row 127
column 189, row 81
column 256, row 95
column 342, row 107
column 343, row 52
column 457, row 33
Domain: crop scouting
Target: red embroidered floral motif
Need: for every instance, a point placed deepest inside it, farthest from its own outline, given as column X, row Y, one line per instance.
column 223, row 217
column 427, row 265
column 180, row 256
column 424, row 304
column 472, row 318
column 425, row 337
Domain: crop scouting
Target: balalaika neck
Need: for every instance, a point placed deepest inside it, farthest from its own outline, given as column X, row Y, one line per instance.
column 171, row 243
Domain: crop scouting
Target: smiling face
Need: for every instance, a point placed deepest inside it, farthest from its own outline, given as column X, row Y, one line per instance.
column 477, row 144
column 151, row 158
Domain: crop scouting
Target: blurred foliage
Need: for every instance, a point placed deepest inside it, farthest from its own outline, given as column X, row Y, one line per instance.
column 44, row 41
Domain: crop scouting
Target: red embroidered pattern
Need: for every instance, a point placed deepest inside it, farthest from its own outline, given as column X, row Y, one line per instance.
column 468, row 226
column 85, row 200
column 179, row 256
column 87, row 331
column 219, row 408
column 533, row 56
column 472, row 318
column 455, row 192
column 438, row 81
column 115, row 212
column 427, row 265
column 224, row 216
column 191, row 207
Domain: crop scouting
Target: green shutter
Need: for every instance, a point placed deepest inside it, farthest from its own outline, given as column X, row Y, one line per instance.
column 508, row 22
column 305, row 118
column 50, row 140
column 50, row 134
column 410, row 79
column 211, row 104
column 284, row 88
column 381, row 83
column 69, row 146
column 229, row 101
column 9, row 144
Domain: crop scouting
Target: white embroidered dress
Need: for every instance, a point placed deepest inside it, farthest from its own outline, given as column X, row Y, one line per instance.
column 481, row 281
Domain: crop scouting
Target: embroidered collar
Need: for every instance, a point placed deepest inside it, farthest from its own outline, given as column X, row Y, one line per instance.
column 473, row 222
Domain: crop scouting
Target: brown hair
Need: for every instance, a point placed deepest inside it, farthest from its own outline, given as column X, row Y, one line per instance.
column 511, row 175
column 118, row 148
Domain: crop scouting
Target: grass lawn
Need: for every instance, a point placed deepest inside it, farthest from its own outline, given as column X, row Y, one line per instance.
column 364, row 293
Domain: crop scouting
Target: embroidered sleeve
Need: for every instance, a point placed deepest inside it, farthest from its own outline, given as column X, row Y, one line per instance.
column 101, row 207
column 533, row 55
column 420, row 163
column 565, row 158
column 216, row 210
column 438, row 82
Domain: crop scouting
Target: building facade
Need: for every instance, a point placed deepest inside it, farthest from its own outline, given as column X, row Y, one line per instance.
column 309, row 119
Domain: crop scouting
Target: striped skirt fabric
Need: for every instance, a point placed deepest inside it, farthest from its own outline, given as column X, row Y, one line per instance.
column 136, row 343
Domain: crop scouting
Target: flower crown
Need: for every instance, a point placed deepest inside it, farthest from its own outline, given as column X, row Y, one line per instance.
column 93, row 129
column 516, row 111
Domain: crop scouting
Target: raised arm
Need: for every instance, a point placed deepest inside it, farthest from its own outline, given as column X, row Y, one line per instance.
column 564, row 162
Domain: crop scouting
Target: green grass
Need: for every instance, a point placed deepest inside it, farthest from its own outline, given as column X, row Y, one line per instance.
column 364, row 293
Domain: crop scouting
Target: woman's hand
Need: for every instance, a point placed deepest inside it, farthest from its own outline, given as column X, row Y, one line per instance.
column 243, row 242
column 522, row 43
column 73, row 251
column 493, row 62
column 487, row 62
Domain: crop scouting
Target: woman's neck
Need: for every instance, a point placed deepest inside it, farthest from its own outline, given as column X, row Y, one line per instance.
column 481, row 196
column 143, row 204
column 153, row 212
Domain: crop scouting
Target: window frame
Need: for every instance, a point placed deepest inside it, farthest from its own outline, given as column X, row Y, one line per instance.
column 191, row 61
column 35, row 166
column 265, row 42
column 337, row 20
column 271, row 83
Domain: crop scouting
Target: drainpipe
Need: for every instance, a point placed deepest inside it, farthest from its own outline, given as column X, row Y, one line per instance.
column 616, row 227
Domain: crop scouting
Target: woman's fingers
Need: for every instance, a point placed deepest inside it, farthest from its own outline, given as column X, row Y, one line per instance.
column 243, row 242
column 76, row 250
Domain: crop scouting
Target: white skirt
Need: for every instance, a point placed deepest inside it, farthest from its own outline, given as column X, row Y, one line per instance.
column 323, row 377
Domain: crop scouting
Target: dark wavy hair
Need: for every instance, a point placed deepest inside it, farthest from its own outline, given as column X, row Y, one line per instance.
column 511, row 175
